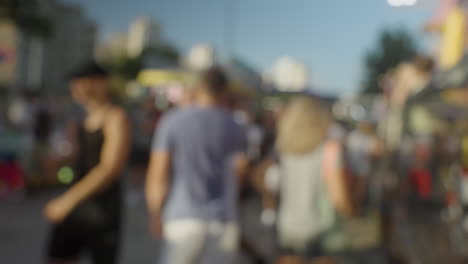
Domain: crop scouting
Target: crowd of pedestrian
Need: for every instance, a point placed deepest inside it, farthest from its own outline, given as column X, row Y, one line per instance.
column 325, row 187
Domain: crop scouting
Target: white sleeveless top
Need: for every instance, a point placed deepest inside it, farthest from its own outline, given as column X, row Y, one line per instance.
column 301, row 186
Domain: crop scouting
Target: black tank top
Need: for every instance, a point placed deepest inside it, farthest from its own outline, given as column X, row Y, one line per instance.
column 90, row 147
column 108, row 201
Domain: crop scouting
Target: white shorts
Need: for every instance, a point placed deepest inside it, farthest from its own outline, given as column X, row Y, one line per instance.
column 197, row 241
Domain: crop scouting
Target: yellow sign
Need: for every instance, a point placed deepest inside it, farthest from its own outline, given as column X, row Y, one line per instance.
column 453, row 38
column 164, row 77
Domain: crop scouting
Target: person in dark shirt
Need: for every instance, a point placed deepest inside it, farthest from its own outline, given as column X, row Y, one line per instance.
column 87, row 216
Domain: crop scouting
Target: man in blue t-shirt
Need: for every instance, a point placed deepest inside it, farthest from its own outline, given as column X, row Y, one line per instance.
column 198, row 161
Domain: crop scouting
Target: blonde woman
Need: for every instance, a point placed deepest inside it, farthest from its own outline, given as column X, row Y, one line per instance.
column 309, row 180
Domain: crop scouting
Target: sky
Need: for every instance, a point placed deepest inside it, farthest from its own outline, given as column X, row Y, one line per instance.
column 331, row 37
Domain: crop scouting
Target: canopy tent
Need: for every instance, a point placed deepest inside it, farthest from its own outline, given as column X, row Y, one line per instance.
column 161, row 78
column 447, row 94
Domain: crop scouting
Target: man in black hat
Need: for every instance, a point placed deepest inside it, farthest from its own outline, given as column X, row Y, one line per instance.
column 86, row 218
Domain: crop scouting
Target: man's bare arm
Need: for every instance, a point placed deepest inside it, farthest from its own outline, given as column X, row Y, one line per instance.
column 113, row 160
column 336, row 180
column 158, row 181
column 241, row 168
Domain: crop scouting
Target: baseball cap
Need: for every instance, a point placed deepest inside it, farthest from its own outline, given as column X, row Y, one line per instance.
column 88, row 69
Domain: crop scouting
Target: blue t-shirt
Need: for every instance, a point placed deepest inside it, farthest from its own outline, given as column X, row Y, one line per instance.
column 202, row 143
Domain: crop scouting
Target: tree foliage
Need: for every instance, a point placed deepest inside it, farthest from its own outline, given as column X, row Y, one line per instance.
column 24, row 14
column 164, row 51
column 125, row 68
column 393, row 47
column 128, row 67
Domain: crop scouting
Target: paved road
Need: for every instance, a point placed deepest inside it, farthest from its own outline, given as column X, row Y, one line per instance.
column 425, row 237
column 23, row 232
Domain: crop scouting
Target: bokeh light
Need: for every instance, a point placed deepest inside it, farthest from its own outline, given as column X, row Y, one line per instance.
column 65, row 175
column 64, row 148
column 400, row 3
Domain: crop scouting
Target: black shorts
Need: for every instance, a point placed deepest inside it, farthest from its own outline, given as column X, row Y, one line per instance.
column 86, row 232
column 314, row 249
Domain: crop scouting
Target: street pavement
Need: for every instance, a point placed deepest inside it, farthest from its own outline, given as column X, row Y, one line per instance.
column 23, row 231
column 424, row 237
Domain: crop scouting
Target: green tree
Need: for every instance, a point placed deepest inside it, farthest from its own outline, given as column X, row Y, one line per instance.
column 24, row 14
column 164, row 51
column 125, row 68
column 8, row 9
column 393, row 47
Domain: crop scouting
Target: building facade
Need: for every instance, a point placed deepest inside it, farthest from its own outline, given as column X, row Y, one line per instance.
column 72, row 43
column 40, row 42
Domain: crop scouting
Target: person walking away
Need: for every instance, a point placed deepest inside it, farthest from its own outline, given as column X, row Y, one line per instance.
column 363, row 147
column 86, row 218
column 37, row 160
column 197, row 164
column 310, row 182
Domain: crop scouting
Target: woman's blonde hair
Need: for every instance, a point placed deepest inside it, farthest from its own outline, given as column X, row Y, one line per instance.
column 303, row 125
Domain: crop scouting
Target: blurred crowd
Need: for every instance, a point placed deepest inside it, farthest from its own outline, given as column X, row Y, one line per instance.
column 334, row 177
column 231, row 166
